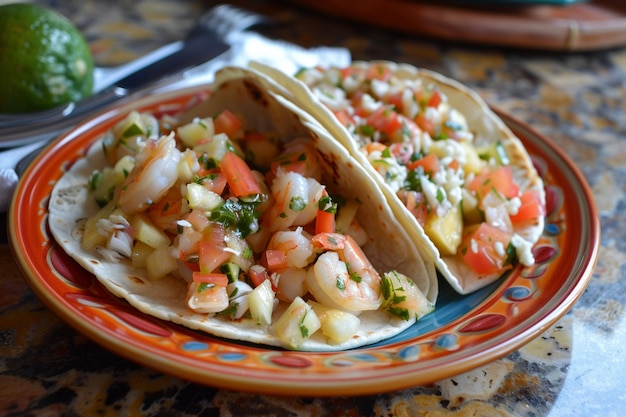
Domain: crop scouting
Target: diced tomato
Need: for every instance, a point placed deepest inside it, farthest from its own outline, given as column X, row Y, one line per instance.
column 226, row 122
column 532, row 208
column 416, row 204
column 499, row 180
column 214, row 181
column 484, row 249
column 212, row 250
column 239, row 176
column 396, row 101
column 426, row 125
column 276, row 260
column 428, row 98
column 378, row 72
column 325, row 220
column 454, row 164
column 257, row 274
column 435, row 99
column 430, row 164
column 385, row 120
column 344, row 118
column 220, row 280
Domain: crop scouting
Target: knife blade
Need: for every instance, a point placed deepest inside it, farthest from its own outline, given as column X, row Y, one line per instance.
column 195, row 51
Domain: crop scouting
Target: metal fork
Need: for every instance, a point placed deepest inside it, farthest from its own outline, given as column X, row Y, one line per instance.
column 19, row 129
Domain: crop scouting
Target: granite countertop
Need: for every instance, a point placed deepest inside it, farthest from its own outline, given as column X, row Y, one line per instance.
column 575, row 367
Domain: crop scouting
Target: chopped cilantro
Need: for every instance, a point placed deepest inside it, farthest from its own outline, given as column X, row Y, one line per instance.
column 511, row 255
column 238, row 215
column 340, row 284
column 326, row 204
column 297, row 204
column 366, row 130
column 440, row 195
column 132, row 130
column 412, row 181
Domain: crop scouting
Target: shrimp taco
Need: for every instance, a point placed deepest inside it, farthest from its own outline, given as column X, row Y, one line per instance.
column 240, row 217
column 440, row 153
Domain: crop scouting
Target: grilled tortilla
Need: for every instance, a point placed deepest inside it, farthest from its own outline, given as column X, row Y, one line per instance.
column 253, row 97
column 389, row 116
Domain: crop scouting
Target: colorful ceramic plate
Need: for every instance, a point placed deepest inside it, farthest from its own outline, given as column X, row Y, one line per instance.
column 463, row 333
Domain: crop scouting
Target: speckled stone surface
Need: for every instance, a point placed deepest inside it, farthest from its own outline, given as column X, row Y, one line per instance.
column 575, row 368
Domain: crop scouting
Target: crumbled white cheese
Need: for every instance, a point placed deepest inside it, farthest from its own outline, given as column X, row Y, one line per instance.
column 430, row 191
column 333, row 97
column 523, row 249
column 369, row 104
column 350, row 84
column 409, row 105
column 390, row 169
column 379, row 88
column 499, row 247
column 513, row 205
column 434, row 115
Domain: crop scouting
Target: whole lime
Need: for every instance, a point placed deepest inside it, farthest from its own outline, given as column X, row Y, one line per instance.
column 44, row 59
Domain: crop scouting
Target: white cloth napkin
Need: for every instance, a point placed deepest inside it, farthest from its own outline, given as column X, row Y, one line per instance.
column 245, row 47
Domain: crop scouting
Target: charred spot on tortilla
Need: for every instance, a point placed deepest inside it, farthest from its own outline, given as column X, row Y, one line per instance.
column 256, row 93
column 331, row 162
column 136, row 279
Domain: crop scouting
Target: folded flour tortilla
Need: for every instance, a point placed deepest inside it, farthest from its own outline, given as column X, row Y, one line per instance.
column 255, row 97
column 485, row 126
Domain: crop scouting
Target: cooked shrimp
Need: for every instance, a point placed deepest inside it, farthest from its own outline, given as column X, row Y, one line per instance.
column 295, row 200
column 155, row 171
column 343, row 277
column 295, row 244
column 291, row 284
column 300, row 156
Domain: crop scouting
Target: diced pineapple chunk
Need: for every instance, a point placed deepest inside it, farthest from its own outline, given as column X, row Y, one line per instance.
column 446, row 231
column 160, row 262
column 345, row 215
column 92, row 236
column 403, row 298
column 296, row 324
column 192, row 133
column 147, row 232
column 201, row 198
column 261, row 303
column 471, row 211
column 139, row 254
column 217, row 147
column 338, row 326
column 473, row 163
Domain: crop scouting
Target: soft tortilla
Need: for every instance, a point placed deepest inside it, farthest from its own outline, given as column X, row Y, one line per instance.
column 487, row 127
column 248, row 93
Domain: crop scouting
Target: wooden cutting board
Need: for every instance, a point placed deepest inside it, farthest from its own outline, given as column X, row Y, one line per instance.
column 583, row 26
